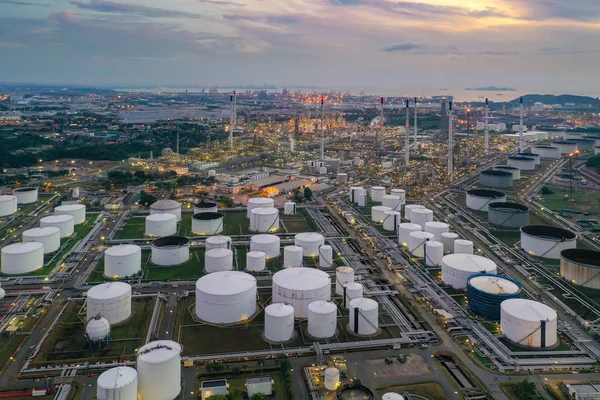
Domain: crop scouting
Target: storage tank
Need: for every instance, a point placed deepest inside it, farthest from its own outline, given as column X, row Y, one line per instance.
column 279, row 322
column 515, row 171
column 212, row 173
column 75, row 193
column 118, row 383
column 547, row 241
column 166, row 206
column 392, row 201
column 377, row 193
column 581, row 267
column 124, row 260
column 573, row 135
column 547, row 152
column 391, row 396
column 361, row 199
column 159, row 370
column 310, row 242
column 523, row 163
column 22, row 258
column 2, row 294
column 8, row 205
column 300, row 287
column 595, row 138
column 332, row 378
column 218, row 242
column 207, row 223
column 536, row 157
column 480, row 199
column 499, row 179
column 289, row 208
column 218, row 260
column 408, row 210
column 205, row 207
column 343, row 275
column 264, row 220
column 528, row 323
column 378, row 213
column 354, row 190
column 448, row 239
column 508, row 215
column 352, row 290
column 158, row 225
column 268, row 243
column 226, row 297
column 256, row 261
column 416, row 242
column 26, row 195
column 325, row 256
column 292, row 256
column 404, row 231
column 565, row 147
column 596, row 150
column 259, row 202
column 342, row 178
column 49, row 237
column 65, row 223
column 437, row 228
column 485, row 293
column 364, row 316
column 585, row 145
column 400, row 193
column 421, row 216
column 322, row 319
column 456, row 268
column 77, row 211
column 462, row 246
column 434, row 252
column 110, row 300
column 391, row 220
column 97, row 331
column 170, row 250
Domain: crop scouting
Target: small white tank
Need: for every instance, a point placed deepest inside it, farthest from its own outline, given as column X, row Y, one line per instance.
column 392, row 396
column 289, row 208
column 118, row 383
column 310, row 242
column 408, row 210
column 342, row 178
column 205, row 207
column 159, row 225
column 65, row 223
column 256, row 261
column 325, row 256
column 437, row 228
column 122, row 261
column 352, row 290
column 421, row 216
column 8, row 205
column 207, row 223
column 392, row 220
column 364, row 316
column 404, row 231
column 26, row 195
column 463, row 246
column 166, row 206
column 354, row 190
column 2, row 294
column 226, row 297
column 77, row 211
column 448, row 239
column 343, row 275
column 435, row 252
column 378, row 213
column 392, row 201
column 322, row 319
column 400, row 193
column 159, row 370
column 292, row 256
column 264, row 219
column 322, row 170
column 218, row 260
column 279, row 322
column 75, row 193
column 361, row 199
column 259, row 202
column 270, row 244
column 22, row 258
column 332, row 378
column 49, row 236
column 97, row 329
column 218, row 242
column 212, row 173
column 416, row 242
column 377, row 193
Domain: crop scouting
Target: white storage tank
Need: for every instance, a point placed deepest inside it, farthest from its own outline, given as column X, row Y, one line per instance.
column 456, row 268
column 325, row 256
column 170, row 250
column 392, row 396
column 279, row 322
column 549, row 152
column 378, row 213
column 581, row 267
column 462, row 246
column 437, row 228
column 434, row 252
column 409, row 208
column 207, row 223
column 65, row 223
column 8, row 205
column 565, row 147
column 218, row 260
column 354, row 191
column 343, row 275
column 26, row 195
column 2, row 294
column 515, row 171
column 421, row 216
column 528, row 323
column 122, row 261
column 364, row 316
column 22, row 258
column 342, row 178
column 523, row 163
column 264, row 220
column 166, row 206
column 416, row 242
column 300, row 287
column 292, row 256
column 256, row 261
column 118, row 383
column 226, row 297
column 404, row 231
column 75, row 193
column 392, row 201
column 259, row 202
column 391, row 220
column 377, row 193
column 400, row 193
column 332, row 378
column 159, row 370
column 480, row 199
column 49, row 236
column 448, row 239
column 110, row 300
column 205, row 207
column 322, row 170
column 77, row 211
column 310, row 242
column 289, row 208
column 322, row 319
column 218, row 242
column 547, row 241
column 270, row 244
column 158, row 225
column 361, row 199
column 352, row 290
column 97, row 330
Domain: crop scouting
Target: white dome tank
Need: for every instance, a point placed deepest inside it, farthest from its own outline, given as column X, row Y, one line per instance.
column 256, row 261
column 400, row 193
column 343, row 275
column 110, row 300
column 118, row 383
column 416, row 242
column 279, row 322
column 361, row 198
column 292, row 256
column 207, row 223
column 264, row 219
column 325, row 256
column 456, row 268
column 392, row 201
column 463, row 246
column 392, row 396
column 378, row 213
column 391, row 220
column 270, row 244
column 65, row 223
column 377, row 193
column 2, row 294
column 218, row 260
column 364, row 316
column 404, row 231
column 332, row 378
column 97, row 329
column 22, row 258
column 166, row 206
column 159, row 370
column 205, row 206
column 26, row 195
column 448, row 239
column 218, row 242
column 8, row 205
column 409, row 208
column 77, row 211
column 528, row 323
column 300, row 287
column 225, row 297
column 122, row 261
column 322, row 319
column 310, row 242
column 170, row 250
column 435, row 252
column 49, row 236
column 437, row 228
column 289, row 208
column 421, row 216
column 259, row 202
column 352, row 290
column 159, row 225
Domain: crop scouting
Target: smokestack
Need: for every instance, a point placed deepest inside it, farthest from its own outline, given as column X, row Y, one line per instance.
column 416, row 130
column 322, row 128
column 381, row 130
column 407, row 126
column 487, row 129
column 521, row 135
column 450, row 145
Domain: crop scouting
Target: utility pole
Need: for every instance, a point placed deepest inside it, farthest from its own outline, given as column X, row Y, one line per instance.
column 322, row 128
column 521, row 134
column 487, row 129
column 415, row 127
column 450, row 145
column 407, row 141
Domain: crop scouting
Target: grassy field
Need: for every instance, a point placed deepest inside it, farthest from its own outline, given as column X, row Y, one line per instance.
column 429, row 390
column 583, row 200
column 10, row 343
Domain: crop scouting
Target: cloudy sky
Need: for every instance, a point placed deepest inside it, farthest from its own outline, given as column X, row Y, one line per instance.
column 544, row 45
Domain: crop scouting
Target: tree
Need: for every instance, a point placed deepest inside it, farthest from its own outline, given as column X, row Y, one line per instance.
column 308, row 193
column 217, row 397
column 546, row 190
column 140, row 174
column 298, row 196
column 258, row 396
column 525, row 390
column 226, row 201
column 146, row 199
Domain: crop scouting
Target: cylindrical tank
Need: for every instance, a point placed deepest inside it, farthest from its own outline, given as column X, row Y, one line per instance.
column 65, row 223
column 480, row 199
column 565, row 147
column 456, row 268
column 8, row 205
column 118, row 383
column 485, row 293
column 547, row 241
column 267, row 243
column 421, row 216
column 392, row 396
column 377, row 193
column 404, row 231
column 462, row 246
column 212, row 173
column 289, row 208
column 264, row 219
column 110, row 300
column 207, row 223
column 437, row 228
column 535, row 156
column 75, row 193
column 159, row 370
column 572, row 135
column 322, row 319
column 49, row 237
column 170, row 250
column 595, row 138
column 391, row 220
column 498, row 179
column 448, row 239
column 310, row 242
column 322, row 170
column 378, row 213
column 22, row 258
column 342, row 177
column 166, row 206
column 596, row 150
column 547, row 152
column 158, row 225
column 226, row 297
column 218, row 260
column 332, row 378
column 256, row 261
column 97, row 330
column 364, row 316
column 408, row 210
column 508, row 215
column 218, row 242
column 292, row 256
column 416, row 242
column 26, row 195
column 122, row 261
column 361, row 199
column 434, row 252
column 523, row 163
column 77, row 211
column 400, row 193
column 205, row 207
column 354, row 190
column 259, row 202
column 343, row 275
column 584, row 145
column 528, row 323
column 300, row 287
column 352, row 290
column 325, row 256
column 279, row 322
column 581, row 267
column 392, row 201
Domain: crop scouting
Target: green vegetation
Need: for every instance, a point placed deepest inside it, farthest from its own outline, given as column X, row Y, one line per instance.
column 594, row 162
column 9, row 343
column 523, row 390
column 429, row 390
column 582, row 201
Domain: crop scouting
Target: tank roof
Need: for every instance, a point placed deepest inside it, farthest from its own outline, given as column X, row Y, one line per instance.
column 546, row 147
column 161, row 217
column 511, row 167
column 528, row 310
column 57, row 218
column 521, row 158
column 165, row 205
column 258, row 200
column 158, row 351
column 109, row 290
column 207, row 216
column 123, row 250
column 205, row 204
column 265, row 238
column 548, row 232
column 301, row 278
column 279, row 310
column 494, row 284
column 309, row 236
column 218, row 239
column 514, row 207
column 226, row 283
column 116, row 378
column 364, row 304
column 264, row 210
column 39, row 232
column 25, row 189
column 469, row 262
column 69, row 207
column 218, row 252
column 7, row 197
column 322, row 307
column 487, row 193
column 589, row 258
column 496, row 173
column 22, row 247
column 171, row 241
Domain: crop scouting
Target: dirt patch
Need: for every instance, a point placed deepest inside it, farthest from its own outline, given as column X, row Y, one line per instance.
column 414, row 366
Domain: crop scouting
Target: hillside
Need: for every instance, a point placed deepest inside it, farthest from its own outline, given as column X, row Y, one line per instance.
column 553, row 99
